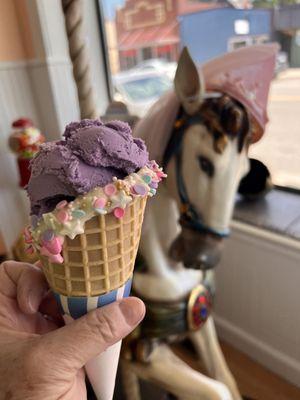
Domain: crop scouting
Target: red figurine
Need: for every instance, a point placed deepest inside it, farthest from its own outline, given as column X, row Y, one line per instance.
column 25, row 141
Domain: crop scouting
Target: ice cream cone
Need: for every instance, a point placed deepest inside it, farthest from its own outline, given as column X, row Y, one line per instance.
column 88, row 195
column 97, row 270
column 102, row 258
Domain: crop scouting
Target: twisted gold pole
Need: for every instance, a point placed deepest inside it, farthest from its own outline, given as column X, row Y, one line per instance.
column 73, row 11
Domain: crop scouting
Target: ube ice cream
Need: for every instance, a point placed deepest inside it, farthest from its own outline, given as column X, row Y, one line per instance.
column 91, row 154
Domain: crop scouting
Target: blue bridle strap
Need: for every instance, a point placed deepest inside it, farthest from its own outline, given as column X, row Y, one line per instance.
column 189, row 216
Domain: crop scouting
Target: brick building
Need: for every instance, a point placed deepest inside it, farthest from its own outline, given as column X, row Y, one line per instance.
column 150, row 28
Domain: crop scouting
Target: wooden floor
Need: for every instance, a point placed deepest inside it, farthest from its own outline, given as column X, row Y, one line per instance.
column 254, row 381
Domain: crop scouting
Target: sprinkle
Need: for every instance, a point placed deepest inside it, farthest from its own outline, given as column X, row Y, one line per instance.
column 28, row 240
column 61, row 204
column 110, row 189
column 153, row 191
column 160, row 174
column 120, row 185
column 140, row 189
column 146, row 178
column 29, row 250
column 99, row 202
column 153, row 185
column 62, row 216
column 48, row 235
column 54, row 246
column 56, row 258
column 78, row 213
column 119, row 212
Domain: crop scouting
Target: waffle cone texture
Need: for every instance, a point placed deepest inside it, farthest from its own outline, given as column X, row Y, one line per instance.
column 102, row 258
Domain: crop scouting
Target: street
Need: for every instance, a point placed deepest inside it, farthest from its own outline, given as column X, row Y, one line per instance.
column 279, row 148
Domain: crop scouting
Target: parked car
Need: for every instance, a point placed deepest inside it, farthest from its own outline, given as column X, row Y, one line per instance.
column 159, row 65
column 139, row 89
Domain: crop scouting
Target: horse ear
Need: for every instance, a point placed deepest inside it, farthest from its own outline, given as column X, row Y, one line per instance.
column 188, row 82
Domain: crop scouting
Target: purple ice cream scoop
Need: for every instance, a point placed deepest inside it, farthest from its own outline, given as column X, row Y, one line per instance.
column 91, row 154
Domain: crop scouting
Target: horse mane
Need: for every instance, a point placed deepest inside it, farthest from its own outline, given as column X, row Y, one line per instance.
column 224, row 117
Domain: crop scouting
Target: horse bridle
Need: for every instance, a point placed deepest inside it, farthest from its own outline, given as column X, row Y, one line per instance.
column 189, row 216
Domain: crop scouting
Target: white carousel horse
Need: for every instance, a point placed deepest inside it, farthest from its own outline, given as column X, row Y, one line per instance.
column 205, row 157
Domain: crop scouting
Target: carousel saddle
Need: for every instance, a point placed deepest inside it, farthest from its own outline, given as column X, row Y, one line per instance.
column 165, row 319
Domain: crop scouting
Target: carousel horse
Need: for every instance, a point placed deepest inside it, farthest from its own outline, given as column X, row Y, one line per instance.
column 201, row 133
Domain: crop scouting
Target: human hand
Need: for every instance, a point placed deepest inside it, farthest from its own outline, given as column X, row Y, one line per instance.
column 40, row 358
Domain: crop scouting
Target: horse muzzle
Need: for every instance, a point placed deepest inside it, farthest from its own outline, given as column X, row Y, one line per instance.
column 196, row 250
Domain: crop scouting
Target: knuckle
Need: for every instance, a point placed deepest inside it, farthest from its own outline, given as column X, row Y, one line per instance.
column 101, row 324
column 5, row 266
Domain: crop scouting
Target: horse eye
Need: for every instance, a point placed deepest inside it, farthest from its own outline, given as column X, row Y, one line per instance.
column 206, row 166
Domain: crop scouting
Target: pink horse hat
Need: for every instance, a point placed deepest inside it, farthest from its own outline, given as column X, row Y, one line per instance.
column 245, row 75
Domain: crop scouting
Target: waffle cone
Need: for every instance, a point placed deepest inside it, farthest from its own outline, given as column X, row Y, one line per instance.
column 102, row 258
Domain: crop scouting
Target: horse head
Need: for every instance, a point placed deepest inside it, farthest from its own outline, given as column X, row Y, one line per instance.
column 201, row 133
column 205, row 159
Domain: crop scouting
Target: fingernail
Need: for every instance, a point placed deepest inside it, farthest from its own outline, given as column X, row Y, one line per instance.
column 34, row 299
column 133, row 310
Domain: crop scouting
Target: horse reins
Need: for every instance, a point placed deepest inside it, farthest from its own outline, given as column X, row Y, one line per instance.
column 189, row 217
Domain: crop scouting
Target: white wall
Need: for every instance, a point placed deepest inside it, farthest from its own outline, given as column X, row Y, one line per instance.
column 16, row 100
column 258, row 298
column 42, row 89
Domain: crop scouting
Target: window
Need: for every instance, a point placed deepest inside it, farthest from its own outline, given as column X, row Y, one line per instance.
column 146, row 53
column 144, row 38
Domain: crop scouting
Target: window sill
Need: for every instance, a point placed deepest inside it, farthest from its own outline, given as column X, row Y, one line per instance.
column 278, row 212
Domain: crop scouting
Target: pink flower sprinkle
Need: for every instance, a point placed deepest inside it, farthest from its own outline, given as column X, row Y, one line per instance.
column 110, row 189
column 100, row 202
column 160, row 174
column 54, row 246
column 62, row 216
column 140, row 189
column 119, row 212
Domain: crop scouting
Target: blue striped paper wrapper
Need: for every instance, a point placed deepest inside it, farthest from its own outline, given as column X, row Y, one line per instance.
column 76, row 307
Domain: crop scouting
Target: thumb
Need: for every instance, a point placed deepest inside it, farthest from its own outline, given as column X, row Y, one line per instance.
column 75, row 344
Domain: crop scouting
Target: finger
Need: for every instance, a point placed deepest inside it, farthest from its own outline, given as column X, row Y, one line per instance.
column 24, row 282
column 73, row 345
